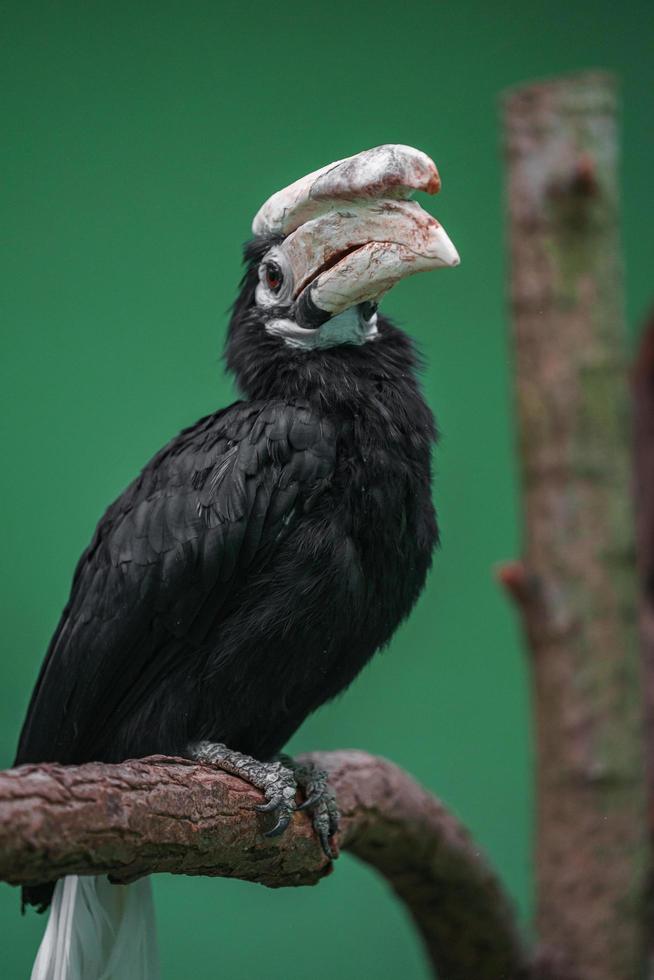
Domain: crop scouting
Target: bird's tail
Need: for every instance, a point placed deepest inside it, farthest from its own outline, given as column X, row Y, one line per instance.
column 99, row 931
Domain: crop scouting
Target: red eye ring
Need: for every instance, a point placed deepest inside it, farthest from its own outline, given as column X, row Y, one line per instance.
column 274, row 276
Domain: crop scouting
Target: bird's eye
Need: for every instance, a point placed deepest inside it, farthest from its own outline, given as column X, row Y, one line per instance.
column 274, row 277
column 275, row 287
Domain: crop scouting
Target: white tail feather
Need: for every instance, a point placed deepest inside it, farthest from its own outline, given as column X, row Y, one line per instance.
column 99, row 931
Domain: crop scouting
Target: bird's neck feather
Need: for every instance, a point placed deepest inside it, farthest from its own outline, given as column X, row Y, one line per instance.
column 336, row 378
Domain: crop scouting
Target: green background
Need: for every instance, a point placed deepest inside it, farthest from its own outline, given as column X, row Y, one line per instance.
column 138, row 140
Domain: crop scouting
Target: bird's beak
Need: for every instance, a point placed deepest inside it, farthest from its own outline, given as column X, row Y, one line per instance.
column 351, row 233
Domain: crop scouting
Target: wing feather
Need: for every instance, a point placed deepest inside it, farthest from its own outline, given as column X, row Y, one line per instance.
column 165, row 560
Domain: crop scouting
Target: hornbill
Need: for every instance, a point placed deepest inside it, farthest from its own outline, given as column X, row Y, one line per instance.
column 263, row 555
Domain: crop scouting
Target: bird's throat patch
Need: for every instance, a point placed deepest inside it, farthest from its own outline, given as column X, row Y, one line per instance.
column 346, row 328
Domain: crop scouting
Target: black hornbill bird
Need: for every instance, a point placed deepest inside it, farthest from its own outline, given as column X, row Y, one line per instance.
column 264, row 554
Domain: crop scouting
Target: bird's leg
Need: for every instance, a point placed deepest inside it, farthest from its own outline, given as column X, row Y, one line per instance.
column 318, row 799
column 276, row 781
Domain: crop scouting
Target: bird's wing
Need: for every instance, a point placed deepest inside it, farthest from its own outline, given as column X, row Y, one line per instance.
column 165, row 561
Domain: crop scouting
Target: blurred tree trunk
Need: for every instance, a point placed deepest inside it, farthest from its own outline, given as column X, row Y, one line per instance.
column 643, row 391
column 577, row 583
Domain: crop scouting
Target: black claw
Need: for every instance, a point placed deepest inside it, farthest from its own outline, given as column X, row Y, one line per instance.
column 311, row 800
column 269, row 806
column 280, row 826
column 326, row 846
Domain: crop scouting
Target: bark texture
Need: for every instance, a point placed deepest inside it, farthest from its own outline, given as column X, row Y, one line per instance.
column 576, row 586
column 173, row 815
column 643, row 392
column 643, row 395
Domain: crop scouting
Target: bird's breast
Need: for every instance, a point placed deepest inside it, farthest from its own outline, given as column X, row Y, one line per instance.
column 386, row 521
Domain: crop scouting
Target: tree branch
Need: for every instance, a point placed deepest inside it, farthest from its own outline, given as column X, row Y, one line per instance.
column 173, row 815
column 576, row 586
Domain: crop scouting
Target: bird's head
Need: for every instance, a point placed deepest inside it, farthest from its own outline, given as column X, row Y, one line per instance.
column 325, row 250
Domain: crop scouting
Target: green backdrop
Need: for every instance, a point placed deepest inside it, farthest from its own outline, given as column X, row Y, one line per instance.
column 138, row 140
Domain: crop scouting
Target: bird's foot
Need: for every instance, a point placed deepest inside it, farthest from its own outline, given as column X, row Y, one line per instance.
column 278, row 781
column 319, row 800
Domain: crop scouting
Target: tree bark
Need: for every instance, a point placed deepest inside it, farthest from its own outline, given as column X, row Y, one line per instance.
column 576, row 586
column 643, row 396
column 173, row 815
column 643, row 392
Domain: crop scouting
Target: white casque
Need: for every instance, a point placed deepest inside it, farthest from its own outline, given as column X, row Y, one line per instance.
column 350, row 235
